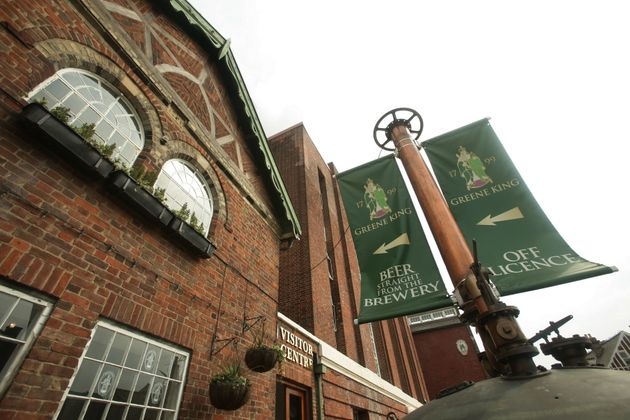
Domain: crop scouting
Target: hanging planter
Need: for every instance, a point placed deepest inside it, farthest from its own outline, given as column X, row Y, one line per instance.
column 229, row 390
column 185, row 233
column 262, row 358
column 140, row 198
column 68, row 140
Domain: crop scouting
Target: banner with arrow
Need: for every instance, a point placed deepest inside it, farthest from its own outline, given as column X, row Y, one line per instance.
column 492, row 204
column 398, row 273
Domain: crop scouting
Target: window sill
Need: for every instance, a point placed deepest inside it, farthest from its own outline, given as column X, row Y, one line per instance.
column 127, row 188
column 186, row 234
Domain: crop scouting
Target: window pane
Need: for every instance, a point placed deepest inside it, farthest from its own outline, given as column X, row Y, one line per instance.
column 178, row 367
column 151, row 414
column 22, row 317
column 58, row 89
column 106, row 382
column 141, row 389
column 136, row 352
column 158, row 390
column 6, row 303
column 166, row 362
column 95, row 410
column 75, row 103
column 6, row 350
column 82, row 383
column 88, row 116
column 100, row 343
column 116, row 412
column 151, row 359
column 47, row 98
column 172, row 395
column 71, row 409
column 104, row 131
column 118, row 349
column 125, row 385
column 168, row 415
column 134, row 413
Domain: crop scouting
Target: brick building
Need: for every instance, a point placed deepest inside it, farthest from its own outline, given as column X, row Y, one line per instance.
column 142, row 224
column 446, row 349
column 319, row 281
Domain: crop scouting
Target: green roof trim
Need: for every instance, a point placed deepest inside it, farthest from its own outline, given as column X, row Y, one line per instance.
column 222, row 45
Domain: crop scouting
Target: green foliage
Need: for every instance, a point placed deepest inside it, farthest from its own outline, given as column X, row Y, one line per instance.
column 160, row 194
column 120, row 165
column 259, row 343
column 231, row 374
column 137, row 172
column 196, row 224
column 146, row 179
column 61, row 113
column 86, row 131
column 183, row 213
column 106, row 150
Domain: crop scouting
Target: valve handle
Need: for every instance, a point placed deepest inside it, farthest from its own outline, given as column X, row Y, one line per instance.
column 399, row 116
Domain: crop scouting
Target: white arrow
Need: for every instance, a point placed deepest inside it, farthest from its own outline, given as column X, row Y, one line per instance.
column 511, row 214
column 401, row 240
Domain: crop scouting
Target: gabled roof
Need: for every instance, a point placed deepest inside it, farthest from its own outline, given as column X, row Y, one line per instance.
column 248, row 118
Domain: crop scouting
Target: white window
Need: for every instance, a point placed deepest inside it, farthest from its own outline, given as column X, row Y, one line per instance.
column 185, row 186
column 91, row 100
column 22, row 318
column 125, row 375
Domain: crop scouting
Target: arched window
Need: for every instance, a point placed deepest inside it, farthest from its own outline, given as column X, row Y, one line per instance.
column 91, row 100
column 184, row 186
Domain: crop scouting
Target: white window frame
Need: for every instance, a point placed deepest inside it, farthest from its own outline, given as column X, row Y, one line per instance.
column 119, row 98
column 20, row 353
column 133, row 335
column 203, row 210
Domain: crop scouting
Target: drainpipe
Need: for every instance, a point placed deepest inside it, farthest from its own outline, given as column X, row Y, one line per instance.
column 318, row 370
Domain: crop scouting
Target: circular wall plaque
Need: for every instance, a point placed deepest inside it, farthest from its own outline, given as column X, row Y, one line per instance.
column 462, row 347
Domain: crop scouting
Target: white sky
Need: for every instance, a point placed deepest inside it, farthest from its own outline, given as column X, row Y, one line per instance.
column 554, row 76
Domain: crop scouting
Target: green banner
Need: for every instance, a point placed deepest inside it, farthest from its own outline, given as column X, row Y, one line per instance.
column 398, row 273
column 492, row 204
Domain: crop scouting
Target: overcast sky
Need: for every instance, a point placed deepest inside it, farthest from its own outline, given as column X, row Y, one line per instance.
column 554, row 76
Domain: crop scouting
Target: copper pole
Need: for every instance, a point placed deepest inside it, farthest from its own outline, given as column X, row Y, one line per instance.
column 496, row 323
column 450, row 241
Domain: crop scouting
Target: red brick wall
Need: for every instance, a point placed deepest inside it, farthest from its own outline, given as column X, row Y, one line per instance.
column 296, row 293
column 304, row 271
column 64, row 234
column 443, row 365
column 342, row 394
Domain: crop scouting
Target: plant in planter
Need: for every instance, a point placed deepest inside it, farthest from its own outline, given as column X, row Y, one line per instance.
column 73, row 140
column 229, row 390
column 196, row 224
column 192, row 235
column 261, row 357
column 140, row 197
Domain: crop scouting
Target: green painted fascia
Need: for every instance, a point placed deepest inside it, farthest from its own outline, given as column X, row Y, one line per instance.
column 225, row 55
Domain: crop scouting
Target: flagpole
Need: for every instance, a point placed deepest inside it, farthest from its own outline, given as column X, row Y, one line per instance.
column 507, row 349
